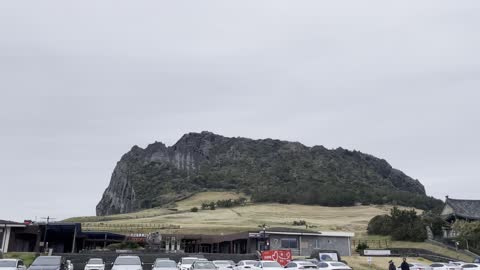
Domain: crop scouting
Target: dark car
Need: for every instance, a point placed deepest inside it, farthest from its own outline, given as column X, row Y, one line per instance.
column 49, row 263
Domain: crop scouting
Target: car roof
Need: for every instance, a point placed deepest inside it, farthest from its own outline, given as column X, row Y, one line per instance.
column 9, row 259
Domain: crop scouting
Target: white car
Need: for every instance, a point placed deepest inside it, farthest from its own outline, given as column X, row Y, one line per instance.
column 224, row 265
column 418, row 266
column 456, row 263
column 185, row 263
column 470, row 266
column 203, row 265
column 95, row 264
column 268, row 265
column 299, row 265
column 444, row 266
column 324, row 265
column 245, row 264
column 127, row 263
column 163, row 264
column 12, row 264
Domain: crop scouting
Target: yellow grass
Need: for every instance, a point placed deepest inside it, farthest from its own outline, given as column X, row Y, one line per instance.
column 229, row 220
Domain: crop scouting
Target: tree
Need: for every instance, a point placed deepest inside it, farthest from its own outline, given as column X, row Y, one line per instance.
column 380, row 225
column 212, row 205
column 403, row 225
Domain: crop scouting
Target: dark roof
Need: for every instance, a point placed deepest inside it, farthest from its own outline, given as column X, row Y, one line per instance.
column 9, row 222
column 469, row 209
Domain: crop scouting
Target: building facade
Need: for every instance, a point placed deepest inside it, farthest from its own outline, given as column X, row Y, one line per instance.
column 455, row 209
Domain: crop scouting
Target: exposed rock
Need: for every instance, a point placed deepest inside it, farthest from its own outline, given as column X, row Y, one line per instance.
column 269, row 170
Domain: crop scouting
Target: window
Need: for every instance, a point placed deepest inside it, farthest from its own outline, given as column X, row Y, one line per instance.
column 470, row 266
column 290, row 265
column 436, row 265
column 289, row 243
column 323, row 265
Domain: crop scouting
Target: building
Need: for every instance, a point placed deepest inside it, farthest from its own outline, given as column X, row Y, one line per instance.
column 16, row 236
column 455, row 209
column 60, row 237
column 300, row 242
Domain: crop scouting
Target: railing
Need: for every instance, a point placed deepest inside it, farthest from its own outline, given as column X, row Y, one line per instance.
column 383, row 243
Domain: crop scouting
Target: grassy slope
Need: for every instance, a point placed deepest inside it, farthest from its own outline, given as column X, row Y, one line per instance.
column 248, row 217
column 229, row 220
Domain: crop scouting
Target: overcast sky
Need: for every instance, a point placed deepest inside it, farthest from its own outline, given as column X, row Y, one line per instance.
column 82, row 82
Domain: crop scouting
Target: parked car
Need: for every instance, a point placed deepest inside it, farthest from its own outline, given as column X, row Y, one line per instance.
column 457, row 263
column 49, row 263
column 127, row 263
column 203, row 265
column 477, row 260
column 444, row 266
column 269, row 265
column 470, row 266
column 326, row 265
column 95, row 264
column 417, row 266
column 299, row 265
column 162, row 264
column 12, row 264
column 185, row 263
column 245, row 264
column 224, row 265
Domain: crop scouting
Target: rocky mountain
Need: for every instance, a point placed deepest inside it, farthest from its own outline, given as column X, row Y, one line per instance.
column 268, row 170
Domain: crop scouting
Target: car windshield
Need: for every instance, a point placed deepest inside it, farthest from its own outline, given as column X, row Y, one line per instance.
column 204, row 265
column 95, row 261
column 337, row 264
column 189, row 260
column 128, row 261
column 250, row 262
column 8, row 263
column 306, row 263
column 46, row 261
column 166, row 264
column 271, row 264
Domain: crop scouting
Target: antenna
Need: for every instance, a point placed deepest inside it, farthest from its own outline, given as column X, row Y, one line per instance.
column 45, row 245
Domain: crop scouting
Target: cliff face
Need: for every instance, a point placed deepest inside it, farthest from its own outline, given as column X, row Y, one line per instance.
column 268, row 170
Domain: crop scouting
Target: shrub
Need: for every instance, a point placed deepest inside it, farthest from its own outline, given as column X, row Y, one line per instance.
column 361, row 247
column 380, row 225
column 194, row 209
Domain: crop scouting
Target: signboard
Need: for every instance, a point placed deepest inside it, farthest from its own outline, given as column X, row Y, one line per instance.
column 281, row 256
column 377, row 252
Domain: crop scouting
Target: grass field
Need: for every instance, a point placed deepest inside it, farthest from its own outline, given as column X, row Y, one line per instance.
column 229, row 220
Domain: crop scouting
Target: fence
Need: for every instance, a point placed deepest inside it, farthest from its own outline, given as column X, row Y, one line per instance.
column 385, row 243
column 127, row 228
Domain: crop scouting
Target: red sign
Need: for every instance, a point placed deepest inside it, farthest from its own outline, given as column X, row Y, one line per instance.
column 281, row 256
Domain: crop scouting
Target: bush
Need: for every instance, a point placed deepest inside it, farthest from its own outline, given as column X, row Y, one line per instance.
column 123, row 245
column 380, row 225
column 212, row 206
column 194, row 209
column 361, row 247
column 299, row 223
column 401, row 225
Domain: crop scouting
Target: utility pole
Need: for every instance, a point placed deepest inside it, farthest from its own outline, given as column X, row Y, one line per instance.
column 48, row 218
